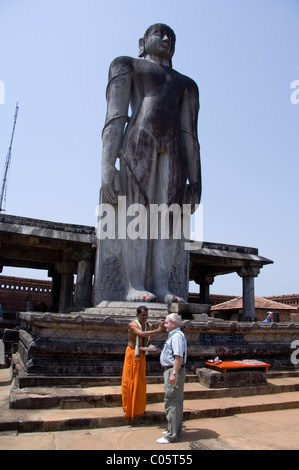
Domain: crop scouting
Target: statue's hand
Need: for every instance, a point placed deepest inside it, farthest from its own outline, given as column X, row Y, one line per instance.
column 110, row 185
column 193, row 195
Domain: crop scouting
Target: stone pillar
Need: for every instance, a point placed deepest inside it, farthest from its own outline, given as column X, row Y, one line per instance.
column 66, row 292
column 248, row 274
column 205, row 282
column 55, row 291
column 85, row 271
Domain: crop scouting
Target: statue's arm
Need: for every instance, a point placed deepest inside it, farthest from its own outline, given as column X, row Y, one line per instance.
column 189, row 119
column 118, row 98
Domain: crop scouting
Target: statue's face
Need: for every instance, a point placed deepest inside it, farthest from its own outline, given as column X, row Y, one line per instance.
column 159, row 43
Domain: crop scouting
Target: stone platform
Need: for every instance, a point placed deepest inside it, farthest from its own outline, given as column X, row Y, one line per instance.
column 92, row 343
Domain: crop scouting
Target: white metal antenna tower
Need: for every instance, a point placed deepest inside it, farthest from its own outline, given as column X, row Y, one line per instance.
column 7, row 161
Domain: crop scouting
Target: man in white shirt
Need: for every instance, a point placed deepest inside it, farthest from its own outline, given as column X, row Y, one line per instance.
column 173, row 360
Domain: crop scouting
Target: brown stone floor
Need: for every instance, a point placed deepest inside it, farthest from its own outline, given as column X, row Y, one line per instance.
column 270, row 430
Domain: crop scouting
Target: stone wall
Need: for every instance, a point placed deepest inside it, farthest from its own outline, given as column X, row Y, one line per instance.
column 16, row 293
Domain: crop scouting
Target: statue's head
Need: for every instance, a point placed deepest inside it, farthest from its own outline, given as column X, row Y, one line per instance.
column 167, row 38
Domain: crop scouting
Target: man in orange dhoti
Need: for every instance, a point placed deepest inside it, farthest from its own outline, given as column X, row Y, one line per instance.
column 133, row 377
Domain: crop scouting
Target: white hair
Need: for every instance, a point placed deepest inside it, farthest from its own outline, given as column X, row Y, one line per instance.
column 175, row 317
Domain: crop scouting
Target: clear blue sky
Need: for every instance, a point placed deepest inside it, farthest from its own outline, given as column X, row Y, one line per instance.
column 243, row 54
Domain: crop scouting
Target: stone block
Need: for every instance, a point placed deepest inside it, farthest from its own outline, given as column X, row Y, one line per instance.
column 234, row 378
column 189, row 309
column 200, row 317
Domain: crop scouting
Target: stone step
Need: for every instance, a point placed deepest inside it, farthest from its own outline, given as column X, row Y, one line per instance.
column 110, row 395
column 279, row 394
column 62, row 420
column 25, row 380
column 273, row 374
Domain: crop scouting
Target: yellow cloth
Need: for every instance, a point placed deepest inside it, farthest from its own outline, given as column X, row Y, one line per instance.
column 134, row 384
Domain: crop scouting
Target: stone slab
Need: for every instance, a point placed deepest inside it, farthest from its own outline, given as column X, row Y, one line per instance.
column 122, row 308
column 197, row 312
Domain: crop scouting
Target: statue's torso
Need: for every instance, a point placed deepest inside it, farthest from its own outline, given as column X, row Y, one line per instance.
column 154, row 128
column 157, row 92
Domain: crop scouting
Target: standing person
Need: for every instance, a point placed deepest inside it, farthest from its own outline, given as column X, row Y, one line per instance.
column 133, row 377
column 173, row 360
column 269, row 318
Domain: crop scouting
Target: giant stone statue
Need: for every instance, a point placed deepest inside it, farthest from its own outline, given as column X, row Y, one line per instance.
column 150, row 159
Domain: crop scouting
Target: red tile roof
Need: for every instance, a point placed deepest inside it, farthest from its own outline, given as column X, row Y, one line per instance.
column 260, row 302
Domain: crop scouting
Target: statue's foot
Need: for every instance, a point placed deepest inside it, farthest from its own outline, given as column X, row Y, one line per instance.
column 168, row 297
column 171, row 298
column 135, row 295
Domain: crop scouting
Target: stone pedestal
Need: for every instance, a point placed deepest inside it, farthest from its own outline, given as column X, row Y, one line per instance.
column 198, row 312
column 93, row 343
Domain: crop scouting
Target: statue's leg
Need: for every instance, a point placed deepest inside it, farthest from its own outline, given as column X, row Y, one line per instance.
column 163, row 254
column 134, row 249
column 163, row 249
column 135, row 256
